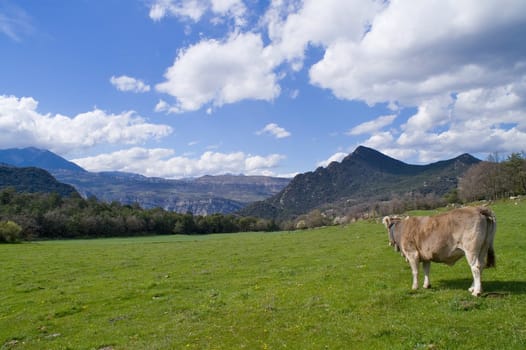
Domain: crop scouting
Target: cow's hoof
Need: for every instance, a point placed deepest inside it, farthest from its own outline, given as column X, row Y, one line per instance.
column 476, row 293
column 428, row 286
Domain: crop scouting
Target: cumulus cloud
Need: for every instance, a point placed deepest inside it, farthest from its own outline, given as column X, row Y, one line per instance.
column 415, row 51
column 461, row 65
column 480, row 120
column 220, row 72
column 162, row 162
column 21, row 125
column 477, row 121
column 336, row 157
column 126, row 83
column 294, row 25
column 373, row 125
column 274, row 130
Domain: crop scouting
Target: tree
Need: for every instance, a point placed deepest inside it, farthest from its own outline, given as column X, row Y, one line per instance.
column 6, row 195
column 515, row 174
column 481, row 181
column 185, row 224
column 492, row 180
column 9, row 232
column 452, row 196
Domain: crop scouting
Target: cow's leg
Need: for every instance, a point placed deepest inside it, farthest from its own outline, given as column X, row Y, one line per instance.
column 413, row 262
column 476, row 270
column 427, row 266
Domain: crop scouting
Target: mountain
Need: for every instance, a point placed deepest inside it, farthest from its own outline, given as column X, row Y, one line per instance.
column 201, row 196
column 30, row 179
column 364, row 175
column 34, row 157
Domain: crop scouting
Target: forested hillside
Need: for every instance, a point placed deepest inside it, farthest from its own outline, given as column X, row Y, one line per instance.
column 45, row 216
column 30, row 179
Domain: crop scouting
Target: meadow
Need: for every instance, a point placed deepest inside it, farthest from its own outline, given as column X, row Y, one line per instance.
column 329, row 288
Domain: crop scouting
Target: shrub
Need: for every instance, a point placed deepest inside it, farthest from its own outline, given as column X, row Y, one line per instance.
column 9, row 232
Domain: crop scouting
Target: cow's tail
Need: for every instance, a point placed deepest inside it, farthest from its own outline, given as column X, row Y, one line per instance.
column 491, row 222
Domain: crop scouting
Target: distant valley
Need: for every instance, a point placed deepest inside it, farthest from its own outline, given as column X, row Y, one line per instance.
column 201, row 196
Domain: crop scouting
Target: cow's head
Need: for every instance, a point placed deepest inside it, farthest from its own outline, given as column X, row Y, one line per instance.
column 390, row 223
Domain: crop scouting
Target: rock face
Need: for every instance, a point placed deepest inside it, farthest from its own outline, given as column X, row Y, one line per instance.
column 365, row 174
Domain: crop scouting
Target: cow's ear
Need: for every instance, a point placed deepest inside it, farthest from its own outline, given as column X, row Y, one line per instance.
column 386, row 221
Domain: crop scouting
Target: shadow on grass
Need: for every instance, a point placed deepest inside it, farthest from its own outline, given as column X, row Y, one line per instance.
column 489, row 287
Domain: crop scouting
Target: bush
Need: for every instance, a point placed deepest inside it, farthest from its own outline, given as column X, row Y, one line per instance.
column 9, row 232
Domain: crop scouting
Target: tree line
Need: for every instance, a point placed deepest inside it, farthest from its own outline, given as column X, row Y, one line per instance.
column 51, row 216
column 494, row 179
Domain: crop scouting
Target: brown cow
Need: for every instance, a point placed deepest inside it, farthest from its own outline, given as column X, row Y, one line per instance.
column 446, row 238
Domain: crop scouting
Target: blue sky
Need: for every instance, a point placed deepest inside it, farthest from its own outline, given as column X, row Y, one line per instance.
column 177, row 88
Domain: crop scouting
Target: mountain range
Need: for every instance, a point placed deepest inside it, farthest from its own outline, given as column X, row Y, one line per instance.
column 201, row 196
column 365, row 175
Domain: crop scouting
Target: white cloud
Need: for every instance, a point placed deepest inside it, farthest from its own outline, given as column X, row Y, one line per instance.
column 261, row 164
column 163, row 106
column 162, row 162
column 415, row 51
column 192, row 9
column 274, row 130
column 336, row 157
column 480, row 120
column 126, row 83
column 195, row 9
column 461, row 64
column 373, row 125
column 221, row 72
column 230, row 8
column 294, row 25
column 381, row 141
column 21, row 125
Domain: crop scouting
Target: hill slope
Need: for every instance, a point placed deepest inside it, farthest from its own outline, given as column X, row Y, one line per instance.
column 365, row 174
column 30, row 179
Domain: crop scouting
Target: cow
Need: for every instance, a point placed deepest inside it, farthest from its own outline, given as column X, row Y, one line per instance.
column 445, row 238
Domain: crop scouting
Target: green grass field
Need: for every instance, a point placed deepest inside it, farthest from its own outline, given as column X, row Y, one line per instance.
column 329, row 288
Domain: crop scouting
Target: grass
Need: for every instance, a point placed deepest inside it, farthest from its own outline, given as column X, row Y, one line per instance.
column 329, row 288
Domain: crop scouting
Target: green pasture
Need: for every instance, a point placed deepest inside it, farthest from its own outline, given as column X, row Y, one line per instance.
column 328, row 288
